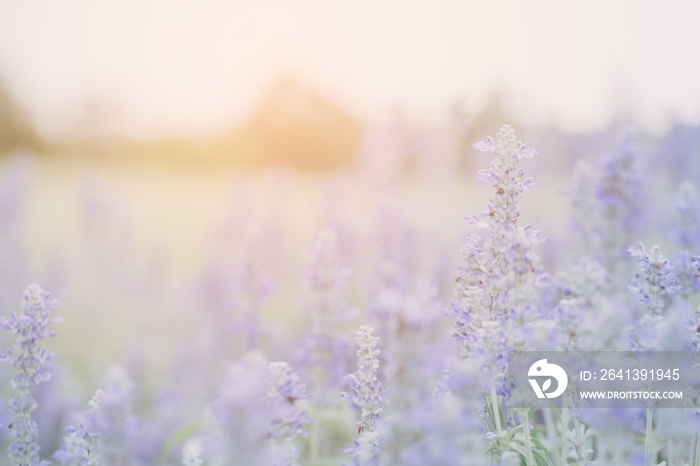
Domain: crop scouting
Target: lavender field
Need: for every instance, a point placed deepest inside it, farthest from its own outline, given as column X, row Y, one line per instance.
column 362, row 316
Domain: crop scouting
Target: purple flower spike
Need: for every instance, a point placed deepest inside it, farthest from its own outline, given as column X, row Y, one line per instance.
column 107, row 431
column 287, row 421
column 655, row 280
column 323, row 355
column 252, row 288
column 367, row 394
column 498, row 276
column 609, row 204
column 30, row 327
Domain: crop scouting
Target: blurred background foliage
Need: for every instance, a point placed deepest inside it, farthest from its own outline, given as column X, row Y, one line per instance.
column 16, row 129
column 293, row 125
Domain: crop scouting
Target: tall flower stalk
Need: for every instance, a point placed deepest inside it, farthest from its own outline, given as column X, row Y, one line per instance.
column 256, row 416
column 238, row 426
column 28, row 356
column 367, row 394
column 655, row 281
column 81, row 446
column 252, row 289
column 499, row 277
column 410, row 354
column 497, row 274
column 111, row 417
column 324, row 351
column 582, row 306
column 653, row 284
column 608, row 201
column 287, row 421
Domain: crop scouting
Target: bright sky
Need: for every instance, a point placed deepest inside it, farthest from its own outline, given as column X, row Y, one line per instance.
column 196, row 66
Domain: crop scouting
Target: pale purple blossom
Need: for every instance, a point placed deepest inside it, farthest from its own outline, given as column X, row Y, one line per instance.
column 288, row 421
column 252, row 287
column 653, row 285
column 324, row 352
column 608, row 200
column 499, row 276
column 366, row 393
column 28, row 356
column 655, row 280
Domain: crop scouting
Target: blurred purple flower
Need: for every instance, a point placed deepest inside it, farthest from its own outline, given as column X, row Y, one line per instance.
column 252, row 287
column 237, row 424
column 30, row 327
column 324, row 352
column 283, row 390
column 608, row 203
column 655, row 280
column 367, row 393
column 255, row 417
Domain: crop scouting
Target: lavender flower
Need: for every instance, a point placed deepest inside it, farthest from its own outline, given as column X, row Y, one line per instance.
column 282, row 393
column 498, row 276
column 80, row 448
column 324, row 351
column 653, row 283
column 324, row 272
column 499, row 284
column 252, row 289
column 411, row 329
column 256, row 418
column 368, row 395
column 655, row 280
column 582, row 305
column 608, row 204
column 395, row 262
column 111, row 417
column 31, row 326
column 411, row 350
column 453, row 421
column 579, row 452
column 237, row 423
column 687, row 271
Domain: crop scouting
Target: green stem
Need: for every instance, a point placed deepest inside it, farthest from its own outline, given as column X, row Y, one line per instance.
column 528, row 443
column 494, row 408
column 549, row 424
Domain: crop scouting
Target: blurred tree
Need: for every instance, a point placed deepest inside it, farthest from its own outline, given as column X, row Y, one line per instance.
column 298, row 126
column 293, row 125
column 16, row 130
